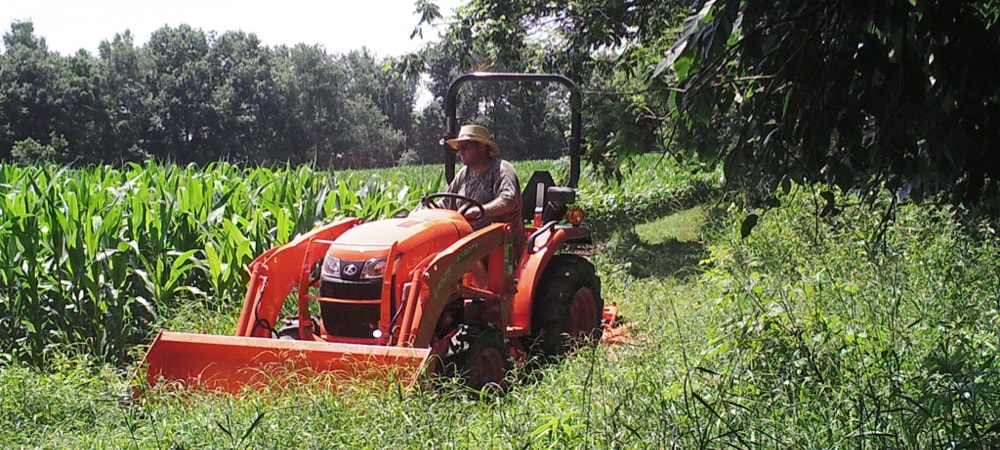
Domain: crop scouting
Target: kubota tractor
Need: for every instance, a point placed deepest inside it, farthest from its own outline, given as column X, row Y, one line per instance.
column 404, row 297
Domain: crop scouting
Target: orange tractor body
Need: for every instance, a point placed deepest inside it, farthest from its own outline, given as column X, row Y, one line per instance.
column 404, row 297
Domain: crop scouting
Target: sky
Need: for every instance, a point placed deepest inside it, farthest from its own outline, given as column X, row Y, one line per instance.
column 381, row 26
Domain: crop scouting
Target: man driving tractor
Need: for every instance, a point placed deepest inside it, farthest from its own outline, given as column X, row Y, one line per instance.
column 489, row 180
column 401, row 295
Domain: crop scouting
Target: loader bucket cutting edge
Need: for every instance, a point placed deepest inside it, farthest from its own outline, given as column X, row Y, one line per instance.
column 228, row 363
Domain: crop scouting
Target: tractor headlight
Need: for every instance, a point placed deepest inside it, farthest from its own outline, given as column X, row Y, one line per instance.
column 374, row 268
column 331, row 267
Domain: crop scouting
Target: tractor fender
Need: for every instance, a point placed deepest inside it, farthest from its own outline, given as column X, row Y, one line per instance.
column 531, row 266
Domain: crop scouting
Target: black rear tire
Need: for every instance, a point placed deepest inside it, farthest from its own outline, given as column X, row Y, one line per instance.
column 567, row 308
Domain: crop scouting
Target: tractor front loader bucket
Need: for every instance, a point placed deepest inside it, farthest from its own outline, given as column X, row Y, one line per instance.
column 227, row 363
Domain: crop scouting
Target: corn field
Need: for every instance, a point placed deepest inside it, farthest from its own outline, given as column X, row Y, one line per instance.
column 94, row 259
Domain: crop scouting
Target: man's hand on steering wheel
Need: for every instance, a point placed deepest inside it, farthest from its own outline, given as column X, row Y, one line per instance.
column 471, row 213
column 471, row 209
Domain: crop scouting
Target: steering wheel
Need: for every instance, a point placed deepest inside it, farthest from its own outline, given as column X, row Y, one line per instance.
column 430, row 202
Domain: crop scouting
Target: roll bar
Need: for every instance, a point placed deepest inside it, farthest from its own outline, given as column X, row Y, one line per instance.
column 451, row 122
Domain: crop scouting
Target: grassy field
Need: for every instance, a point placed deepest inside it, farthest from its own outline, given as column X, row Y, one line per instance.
column 810, row 332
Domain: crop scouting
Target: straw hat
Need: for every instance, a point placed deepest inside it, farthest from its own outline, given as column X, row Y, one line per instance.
column 476, row 133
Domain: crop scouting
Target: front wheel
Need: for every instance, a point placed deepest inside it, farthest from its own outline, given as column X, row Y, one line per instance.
column 567, row 308
column 480, row 356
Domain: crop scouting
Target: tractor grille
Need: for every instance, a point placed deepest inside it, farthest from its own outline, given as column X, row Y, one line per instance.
column 352, row 290
column 350, row 320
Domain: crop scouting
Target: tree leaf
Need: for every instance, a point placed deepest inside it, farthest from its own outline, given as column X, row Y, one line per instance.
column 831, row 206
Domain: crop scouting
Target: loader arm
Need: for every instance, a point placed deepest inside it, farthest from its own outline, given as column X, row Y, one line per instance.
column 442, row 277
column 275, row 273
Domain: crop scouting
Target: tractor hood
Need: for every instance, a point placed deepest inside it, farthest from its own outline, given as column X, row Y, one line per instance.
column 422, row 226
column 416, row 236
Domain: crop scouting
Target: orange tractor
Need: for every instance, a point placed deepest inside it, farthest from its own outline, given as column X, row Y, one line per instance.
column 410, row 296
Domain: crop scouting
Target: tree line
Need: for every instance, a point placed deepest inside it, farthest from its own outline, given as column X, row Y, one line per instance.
column 191, row 96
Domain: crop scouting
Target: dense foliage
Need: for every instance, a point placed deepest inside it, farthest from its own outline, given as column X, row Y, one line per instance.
column 830, row 336
column 900, row 95
column 897, row 93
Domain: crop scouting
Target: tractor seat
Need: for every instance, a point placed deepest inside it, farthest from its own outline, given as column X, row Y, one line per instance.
column 554, row 198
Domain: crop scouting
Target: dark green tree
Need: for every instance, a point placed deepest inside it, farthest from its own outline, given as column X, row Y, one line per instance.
column 311, row 92
column 30, row 102
column 428, row 129
column 244, row 96
column 366, row 138
column 83, row 112
column 385, row 82
column 388, row 88
column 122, row 87
column 895, row 93
column 179, row 99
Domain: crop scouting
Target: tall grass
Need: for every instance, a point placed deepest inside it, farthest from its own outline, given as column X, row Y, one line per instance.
column 830, row 336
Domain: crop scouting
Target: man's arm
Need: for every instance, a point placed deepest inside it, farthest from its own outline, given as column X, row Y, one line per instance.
column 508, row 193
column 499, row 206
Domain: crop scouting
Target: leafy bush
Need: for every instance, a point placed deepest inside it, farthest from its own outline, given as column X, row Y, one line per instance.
column 832, row 337
column 651, row 186
column 30, row 151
